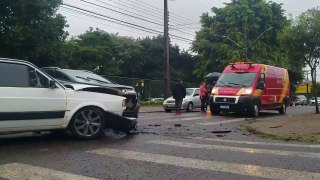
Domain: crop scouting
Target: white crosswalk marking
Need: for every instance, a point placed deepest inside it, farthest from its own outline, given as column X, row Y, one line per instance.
column 163, row 117
column 17, row 171
column 185, row 119
column 222, row 122
column 256, row 143
column 236, row 149
column 242, row 169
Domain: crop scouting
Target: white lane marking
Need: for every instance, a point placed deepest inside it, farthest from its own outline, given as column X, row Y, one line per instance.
column 222, row 122
column 17, row 171
column 185, row 119
column 242, row 169
column 256, row 143
column 162, row 117
column 237, row 149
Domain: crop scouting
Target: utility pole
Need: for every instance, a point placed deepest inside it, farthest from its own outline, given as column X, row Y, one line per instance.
column 166, row 93
column 246, row 43
column 306, row 81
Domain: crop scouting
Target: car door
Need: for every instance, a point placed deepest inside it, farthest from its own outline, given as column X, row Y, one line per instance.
column 26, row 100
column 196, row 98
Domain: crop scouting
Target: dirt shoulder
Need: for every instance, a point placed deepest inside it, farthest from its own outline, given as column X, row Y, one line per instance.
column 303, row 127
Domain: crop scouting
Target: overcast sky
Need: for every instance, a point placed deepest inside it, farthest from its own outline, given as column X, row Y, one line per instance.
column 182, row 12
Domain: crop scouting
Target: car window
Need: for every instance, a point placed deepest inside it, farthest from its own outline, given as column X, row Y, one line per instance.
column 36, row 79
column 62, row 76
column 13, row 75
column 196, row 92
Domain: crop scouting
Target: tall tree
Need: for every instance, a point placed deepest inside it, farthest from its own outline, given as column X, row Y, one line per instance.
column 92, row 51
column 31, row 30
column 242, row 30
column 302, row 40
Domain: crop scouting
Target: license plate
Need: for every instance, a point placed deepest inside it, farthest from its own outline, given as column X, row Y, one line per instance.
column 170, row 106
column 224, row 107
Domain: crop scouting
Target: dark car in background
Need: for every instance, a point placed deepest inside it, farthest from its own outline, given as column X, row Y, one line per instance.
column 95, row 83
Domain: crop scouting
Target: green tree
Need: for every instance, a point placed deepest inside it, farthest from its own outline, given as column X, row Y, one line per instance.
column 242, row 30
column 302, row 39
column 92, row 51
column 31, row 30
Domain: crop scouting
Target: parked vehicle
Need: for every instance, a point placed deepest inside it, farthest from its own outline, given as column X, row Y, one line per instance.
column 250, row 87
column 31, row 100
column 190, row 102
column 300, row 100
column 96, row 83
column 313, row 101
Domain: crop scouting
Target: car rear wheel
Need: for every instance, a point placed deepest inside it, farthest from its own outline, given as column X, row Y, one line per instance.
column 283, row 109
column 87, row 123
column 190, row 107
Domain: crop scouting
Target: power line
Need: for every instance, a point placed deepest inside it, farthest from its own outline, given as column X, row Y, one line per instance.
column 65, row 11
column 146, row 20
column 117, row 21
column 125, row 10
column 161, row 10
column 94, row 17
column 142, row 19
column 156, row 10
column 108, row 17
column 139, row 9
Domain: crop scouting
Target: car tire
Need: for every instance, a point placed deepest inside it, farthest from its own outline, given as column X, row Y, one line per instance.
column 283, row 109
column 168, row 110
column 87, row 123
column 190, row 107
column 214, row 111
column 254, row 110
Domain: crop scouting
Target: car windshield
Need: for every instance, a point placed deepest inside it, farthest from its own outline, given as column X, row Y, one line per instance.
column 86, row 77
column 189, row 91
column 236, row 80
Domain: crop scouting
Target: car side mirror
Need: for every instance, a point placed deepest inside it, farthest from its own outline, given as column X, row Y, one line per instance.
column 195, row 95
column 52, row 84
column 261, row 86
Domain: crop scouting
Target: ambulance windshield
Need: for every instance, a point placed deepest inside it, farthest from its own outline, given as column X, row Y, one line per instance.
column 236, row 80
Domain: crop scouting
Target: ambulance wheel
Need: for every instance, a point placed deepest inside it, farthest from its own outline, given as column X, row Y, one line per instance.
column 254, row 111
column 283, row 109
column 215, row 111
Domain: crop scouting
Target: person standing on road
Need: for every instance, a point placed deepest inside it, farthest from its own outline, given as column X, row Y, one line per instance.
column 208, row 89
column 178, row 93
column 203, row 93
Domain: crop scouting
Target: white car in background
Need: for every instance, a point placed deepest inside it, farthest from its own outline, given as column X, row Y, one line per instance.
column 190, row 102
column 31, row 100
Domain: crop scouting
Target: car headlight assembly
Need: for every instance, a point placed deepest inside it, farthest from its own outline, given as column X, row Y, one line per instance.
column 247, row 91
column 124, row 103
column 213, row 92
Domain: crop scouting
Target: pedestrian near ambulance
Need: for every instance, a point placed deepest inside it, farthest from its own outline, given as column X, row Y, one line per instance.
column 178, row 93
column 203, row 93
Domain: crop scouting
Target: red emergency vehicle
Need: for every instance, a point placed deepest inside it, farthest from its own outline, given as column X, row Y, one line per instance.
column 249, row 87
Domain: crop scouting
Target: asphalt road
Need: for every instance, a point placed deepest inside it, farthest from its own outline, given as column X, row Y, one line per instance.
column 191, row 146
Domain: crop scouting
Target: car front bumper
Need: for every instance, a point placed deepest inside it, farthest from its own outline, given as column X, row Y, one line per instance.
column 120, row 123
column 243, row 104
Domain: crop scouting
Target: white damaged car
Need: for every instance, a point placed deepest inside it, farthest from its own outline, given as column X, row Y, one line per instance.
column 31, row 100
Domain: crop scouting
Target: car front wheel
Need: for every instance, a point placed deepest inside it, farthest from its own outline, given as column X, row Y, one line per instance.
column 87, row 123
